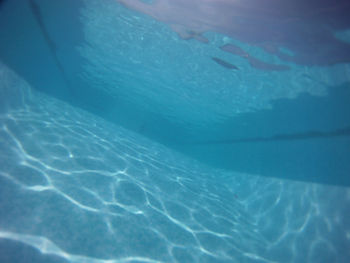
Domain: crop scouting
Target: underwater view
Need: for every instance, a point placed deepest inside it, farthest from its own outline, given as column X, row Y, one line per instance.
column 174, row 131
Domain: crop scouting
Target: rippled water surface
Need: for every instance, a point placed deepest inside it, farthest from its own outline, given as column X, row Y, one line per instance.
column 129, row 133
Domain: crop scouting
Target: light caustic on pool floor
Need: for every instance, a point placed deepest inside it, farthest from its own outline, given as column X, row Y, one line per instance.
column 79, row 188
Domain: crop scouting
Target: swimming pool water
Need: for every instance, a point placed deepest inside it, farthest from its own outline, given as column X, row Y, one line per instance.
column 122, row 140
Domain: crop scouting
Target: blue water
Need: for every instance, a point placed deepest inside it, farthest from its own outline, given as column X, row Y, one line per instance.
column 122, row 142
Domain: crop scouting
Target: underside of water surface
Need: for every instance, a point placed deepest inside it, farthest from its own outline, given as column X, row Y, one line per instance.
column 174, row 131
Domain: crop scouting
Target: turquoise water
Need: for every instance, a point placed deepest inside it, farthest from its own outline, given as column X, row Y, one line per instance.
column 125, row 138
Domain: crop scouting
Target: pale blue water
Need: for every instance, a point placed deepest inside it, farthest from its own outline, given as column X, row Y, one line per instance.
column 120, row 141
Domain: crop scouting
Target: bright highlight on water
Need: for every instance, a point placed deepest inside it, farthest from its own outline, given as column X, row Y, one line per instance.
column 174, row 131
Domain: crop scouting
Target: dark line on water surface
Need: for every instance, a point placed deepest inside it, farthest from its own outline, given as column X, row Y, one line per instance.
column 39, row 18
column 224, row 63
